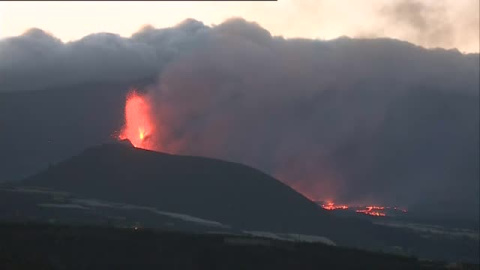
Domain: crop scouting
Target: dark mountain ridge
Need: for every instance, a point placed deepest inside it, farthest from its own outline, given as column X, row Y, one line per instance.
column 227, row 192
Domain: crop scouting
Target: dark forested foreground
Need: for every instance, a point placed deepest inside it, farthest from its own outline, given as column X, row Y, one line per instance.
column 34, row 246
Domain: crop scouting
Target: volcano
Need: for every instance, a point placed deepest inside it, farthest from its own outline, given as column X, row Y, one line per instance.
column 231, row 193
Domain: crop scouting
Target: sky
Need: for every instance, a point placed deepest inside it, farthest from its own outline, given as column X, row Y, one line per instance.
column 429, row 23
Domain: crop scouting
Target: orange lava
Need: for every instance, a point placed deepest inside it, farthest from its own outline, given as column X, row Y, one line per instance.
column 139, row 125
column 371, row 213
column 371, row 210
column 331, row 206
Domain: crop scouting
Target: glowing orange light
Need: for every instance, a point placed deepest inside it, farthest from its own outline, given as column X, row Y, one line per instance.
column 139, row 125
column 331, row 206
column 371, row 213
column 371, row 210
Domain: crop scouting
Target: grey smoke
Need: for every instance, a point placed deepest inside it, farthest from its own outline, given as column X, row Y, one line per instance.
column 433, row 24
column 356, row 120
column 428, row 23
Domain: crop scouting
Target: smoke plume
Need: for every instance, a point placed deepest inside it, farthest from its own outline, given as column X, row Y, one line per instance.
column 355, row 120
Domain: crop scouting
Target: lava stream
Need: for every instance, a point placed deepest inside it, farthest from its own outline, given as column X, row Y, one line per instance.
column 371, row 210
column 332, row 206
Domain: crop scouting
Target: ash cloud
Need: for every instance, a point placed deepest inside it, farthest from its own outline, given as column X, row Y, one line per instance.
column 355, row 120
column 429, row 24
column 442, row 23
column 37, row 60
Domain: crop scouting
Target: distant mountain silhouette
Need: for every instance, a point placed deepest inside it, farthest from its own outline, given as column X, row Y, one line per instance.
column 227, row 192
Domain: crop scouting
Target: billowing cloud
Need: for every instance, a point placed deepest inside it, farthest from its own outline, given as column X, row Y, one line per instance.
column 356, row 120
column 37, row 60
column 434, row 24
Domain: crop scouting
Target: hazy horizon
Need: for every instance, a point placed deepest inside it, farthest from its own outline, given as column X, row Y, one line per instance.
column 444, row 24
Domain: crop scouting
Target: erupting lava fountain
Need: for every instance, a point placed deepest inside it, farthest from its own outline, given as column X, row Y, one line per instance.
column 139, row 125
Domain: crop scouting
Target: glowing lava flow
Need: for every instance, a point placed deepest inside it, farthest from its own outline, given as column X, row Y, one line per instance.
column 331, row 206
column 372, row 210
column 139, row 125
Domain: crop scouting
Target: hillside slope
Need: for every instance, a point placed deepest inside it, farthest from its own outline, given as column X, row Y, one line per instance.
column 231, row 193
